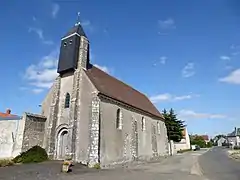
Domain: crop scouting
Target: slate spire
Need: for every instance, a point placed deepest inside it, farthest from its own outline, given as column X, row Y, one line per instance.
column 77, row 29
column 74, row 50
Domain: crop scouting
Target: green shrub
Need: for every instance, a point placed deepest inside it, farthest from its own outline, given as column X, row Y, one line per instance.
column 236, row 147
column 6, row 162
column 33, row 155
column 97, row 166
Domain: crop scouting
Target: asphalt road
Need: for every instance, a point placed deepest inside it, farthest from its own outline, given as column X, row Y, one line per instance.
column 179, row 167
column 216, row 165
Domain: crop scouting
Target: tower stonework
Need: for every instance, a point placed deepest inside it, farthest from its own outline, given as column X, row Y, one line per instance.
column 73, row 59
column 72, row 45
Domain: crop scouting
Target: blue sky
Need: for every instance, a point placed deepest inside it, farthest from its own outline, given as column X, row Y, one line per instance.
column 182, row 54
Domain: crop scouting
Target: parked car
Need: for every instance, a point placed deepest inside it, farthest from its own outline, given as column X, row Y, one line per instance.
column 195, row 147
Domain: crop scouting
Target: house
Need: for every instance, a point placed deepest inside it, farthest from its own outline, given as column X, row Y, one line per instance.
column 206, row 138
column 221, row 141
column 92, row 117
column 9, row 125
column 234, row 137
column 184, row 143
column 18, row 133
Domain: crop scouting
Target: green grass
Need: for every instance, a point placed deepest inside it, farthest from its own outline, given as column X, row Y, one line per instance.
column 6, row 162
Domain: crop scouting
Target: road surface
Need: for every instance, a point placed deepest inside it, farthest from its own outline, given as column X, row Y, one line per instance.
column 179, row 167
column 200, row 165
column 216, row 165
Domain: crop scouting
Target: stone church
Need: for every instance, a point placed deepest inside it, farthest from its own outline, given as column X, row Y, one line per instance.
column 92, row 117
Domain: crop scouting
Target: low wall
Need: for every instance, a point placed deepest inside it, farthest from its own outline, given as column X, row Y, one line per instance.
column 181, row 146
column 11, row 135
column 34, row 130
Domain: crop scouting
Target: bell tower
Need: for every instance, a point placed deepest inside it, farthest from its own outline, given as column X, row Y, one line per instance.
column 74, row 50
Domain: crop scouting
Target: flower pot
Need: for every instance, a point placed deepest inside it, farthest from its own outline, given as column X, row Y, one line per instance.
column 65, row 167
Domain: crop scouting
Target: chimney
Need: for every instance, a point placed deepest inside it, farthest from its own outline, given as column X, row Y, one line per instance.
column 8, row 111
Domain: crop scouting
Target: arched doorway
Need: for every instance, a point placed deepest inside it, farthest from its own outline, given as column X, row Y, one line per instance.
column 62, row 143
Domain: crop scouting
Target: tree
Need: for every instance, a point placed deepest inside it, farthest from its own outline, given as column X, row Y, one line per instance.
column 198, row 140
column 174, row 125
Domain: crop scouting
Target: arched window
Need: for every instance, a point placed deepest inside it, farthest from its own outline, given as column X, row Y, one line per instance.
column 67, row 100
column 119, row 119
column 158, row 127
column 143, row 124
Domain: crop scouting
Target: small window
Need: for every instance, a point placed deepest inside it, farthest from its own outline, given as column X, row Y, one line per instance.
column 67, row 100
column 119, row 119
column 158, row 127
column 143, row 124
column 70, row 42
column 65, row 44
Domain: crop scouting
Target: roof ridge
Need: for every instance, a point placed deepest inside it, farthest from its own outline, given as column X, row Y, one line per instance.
column 121, row 82
column 117, row 89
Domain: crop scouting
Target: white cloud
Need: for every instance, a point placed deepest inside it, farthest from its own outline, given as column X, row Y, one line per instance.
column 163, row 59
column 103, row 68
column 55, row 10
column 42, row 74
column 225, row 58
column 169, row 97
column 234, row 46
column 235, row 53
column 167, row 24
column 23, row 88
column 39, row 33
column 37, row 91
column 232, row 78
column 235, row 49
column 88, row 25
column 189, row 114
column 188, row 70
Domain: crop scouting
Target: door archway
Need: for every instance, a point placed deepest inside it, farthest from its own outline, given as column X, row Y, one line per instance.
column 62, row 144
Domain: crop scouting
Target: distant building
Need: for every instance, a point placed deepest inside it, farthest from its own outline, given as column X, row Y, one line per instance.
column 221, row 141
column 18, row 133
column 234, row 137
column 206, row 138
column 9, row 125
column 184, row 143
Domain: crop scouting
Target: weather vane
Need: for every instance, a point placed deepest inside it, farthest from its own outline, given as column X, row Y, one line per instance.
column 78, row 19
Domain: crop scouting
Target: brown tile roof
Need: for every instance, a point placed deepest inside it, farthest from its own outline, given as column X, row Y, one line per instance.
column 205, row 137
column 113, row 88
column 6, row 115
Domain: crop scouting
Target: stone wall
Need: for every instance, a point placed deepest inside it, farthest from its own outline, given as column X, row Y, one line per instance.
column 85, row 116
column 131, row 142
column 52, row 118
column 94, row 132
column 33, row 131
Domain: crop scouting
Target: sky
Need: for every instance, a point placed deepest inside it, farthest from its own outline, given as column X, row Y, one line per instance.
column 183, row 55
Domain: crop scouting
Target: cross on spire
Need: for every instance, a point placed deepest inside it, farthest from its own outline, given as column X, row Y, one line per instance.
column 78, row 19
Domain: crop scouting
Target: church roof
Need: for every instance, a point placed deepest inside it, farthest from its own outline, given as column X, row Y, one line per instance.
column 236, row 132
column 77, row 29
column 116, row 89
